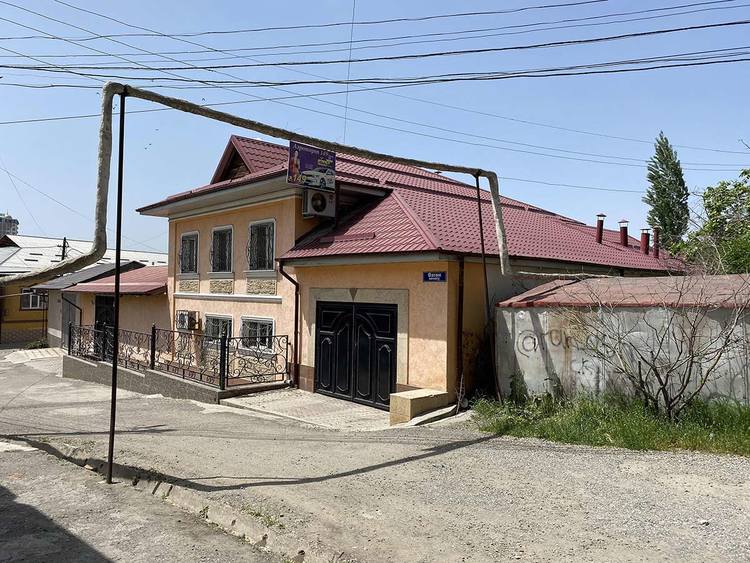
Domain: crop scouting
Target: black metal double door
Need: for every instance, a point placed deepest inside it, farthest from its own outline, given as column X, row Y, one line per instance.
column 355, row 351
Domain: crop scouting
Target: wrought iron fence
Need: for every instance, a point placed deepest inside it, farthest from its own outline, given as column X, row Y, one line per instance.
column 219, row 361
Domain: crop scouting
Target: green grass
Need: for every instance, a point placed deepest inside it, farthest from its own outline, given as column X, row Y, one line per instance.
column 612, row 421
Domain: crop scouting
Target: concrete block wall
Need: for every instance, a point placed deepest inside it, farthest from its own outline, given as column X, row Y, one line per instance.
column 149, row 382
column 12, row 335
column 539, row 345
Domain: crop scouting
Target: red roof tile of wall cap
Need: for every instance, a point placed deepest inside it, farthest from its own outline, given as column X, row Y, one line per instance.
column 143, row 281
column 728, row 291
column 426, row 211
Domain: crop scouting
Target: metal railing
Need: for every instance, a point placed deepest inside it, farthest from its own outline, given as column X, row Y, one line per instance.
column 218, row 361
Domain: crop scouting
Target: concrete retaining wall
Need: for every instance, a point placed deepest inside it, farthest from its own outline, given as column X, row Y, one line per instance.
column 148, row 383
column 539, row 345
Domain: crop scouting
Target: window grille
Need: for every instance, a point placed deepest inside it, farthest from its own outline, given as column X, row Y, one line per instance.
column 257, row 333
column 221, row 250
column 260, row 246
column 189, row 254
column 215, row 325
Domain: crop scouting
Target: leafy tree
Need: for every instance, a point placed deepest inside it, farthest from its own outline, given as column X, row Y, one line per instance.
column 668, row 194
column 721, row 241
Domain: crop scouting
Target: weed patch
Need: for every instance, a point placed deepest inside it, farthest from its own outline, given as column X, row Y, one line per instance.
column 722, row 427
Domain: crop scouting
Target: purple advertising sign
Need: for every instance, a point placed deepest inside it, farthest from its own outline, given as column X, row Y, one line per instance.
column 311, row 167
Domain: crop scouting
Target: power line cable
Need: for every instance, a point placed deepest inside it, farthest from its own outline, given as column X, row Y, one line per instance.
column 433, row 36
column 463, row 133
column 69, row 208
column 434, row 54
column 339, row 24
column 23, row 201
column 392, row 93
column 573, row 186
column 349, row 70
column 360, row 121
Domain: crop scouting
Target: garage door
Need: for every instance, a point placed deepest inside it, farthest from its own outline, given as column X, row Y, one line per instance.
column 355, row 351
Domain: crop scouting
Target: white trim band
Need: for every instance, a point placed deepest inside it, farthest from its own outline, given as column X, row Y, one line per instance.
column 228, row 297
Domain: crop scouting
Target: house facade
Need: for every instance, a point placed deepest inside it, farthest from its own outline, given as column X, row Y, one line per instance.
column 387, row 297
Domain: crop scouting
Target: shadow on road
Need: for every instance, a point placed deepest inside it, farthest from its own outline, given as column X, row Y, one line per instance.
column 29, row 535
column 196, row 482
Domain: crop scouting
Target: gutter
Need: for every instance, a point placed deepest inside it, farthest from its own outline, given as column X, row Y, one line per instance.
column 295, row 283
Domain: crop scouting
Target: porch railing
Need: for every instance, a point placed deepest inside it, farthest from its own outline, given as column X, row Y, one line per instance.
column 218, row 361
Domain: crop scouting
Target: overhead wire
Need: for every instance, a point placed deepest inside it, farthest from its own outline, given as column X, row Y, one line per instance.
column 426, row 125
column 339, row 24
column 110, row 18
column 429, row 55
column 232, row 53
column 23, row 201
column 69, row 208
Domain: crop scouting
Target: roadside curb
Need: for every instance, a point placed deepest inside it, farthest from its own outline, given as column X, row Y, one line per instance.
column 231, row 520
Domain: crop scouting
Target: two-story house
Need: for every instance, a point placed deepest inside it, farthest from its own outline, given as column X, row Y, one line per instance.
column 376, row 293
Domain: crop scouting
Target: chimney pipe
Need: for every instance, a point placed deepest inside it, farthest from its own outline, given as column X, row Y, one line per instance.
column 656, row 241
column 645, row 239
column 623, row 231
column 600, row 227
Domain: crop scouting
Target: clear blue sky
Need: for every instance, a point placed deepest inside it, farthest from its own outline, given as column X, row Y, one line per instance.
column 169, row 152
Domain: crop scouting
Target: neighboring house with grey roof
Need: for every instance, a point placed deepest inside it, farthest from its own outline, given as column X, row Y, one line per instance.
column 25, row 313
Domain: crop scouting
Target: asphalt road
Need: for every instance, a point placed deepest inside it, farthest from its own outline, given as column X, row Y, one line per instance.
column 52, row 510
column 424, row 494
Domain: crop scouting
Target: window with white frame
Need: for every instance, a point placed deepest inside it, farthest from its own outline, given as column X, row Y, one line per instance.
column 216, row 325
column 32, row 300
column 257, row 333
column 260, row 246
column 221, row 250
column 189, row 253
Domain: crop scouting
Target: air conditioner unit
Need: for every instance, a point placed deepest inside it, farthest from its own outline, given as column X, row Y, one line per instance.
column 187, row 320
column 320, row 203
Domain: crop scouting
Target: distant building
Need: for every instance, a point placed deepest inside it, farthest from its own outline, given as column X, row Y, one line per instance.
column 8, row 225
column 24, row 312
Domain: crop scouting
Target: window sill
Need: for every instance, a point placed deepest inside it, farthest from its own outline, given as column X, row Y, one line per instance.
column 188, row 276
column 261, row 274
column 221, row 275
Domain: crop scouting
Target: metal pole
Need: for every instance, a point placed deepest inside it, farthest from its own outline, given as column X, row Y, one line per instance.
column 152, row 359
column 116, row 328
column 223, row 359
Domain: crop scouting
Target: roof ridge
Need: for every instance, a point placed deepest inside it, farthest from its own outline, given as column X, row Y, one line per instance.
column 420, row 225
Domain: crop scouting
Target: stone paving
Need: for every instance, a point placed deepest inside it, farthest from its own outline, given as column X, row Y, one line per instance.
column 314, row 409
column 23, row 356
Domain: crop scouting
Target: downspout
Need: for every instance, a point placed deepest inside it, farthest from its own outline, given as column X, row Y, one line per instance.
column 295, row 372
column 460, row 336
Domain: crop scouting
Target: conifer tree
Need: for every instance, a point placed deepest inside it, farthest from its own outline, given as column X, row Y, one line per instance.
column 668, row 194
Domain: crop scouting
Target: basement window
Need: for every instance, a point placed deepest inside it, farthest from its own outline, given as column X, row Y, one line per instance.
column 257, row 334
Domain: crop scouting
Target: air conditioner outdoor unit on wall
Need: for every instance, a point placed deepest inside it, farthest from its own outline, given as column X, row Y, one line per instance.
column 187, row 320
column 319, row 202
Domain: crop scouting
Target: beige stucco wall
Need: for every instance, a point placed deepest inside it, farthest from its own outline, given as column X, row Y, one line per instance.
column 428, row 362
column 137, row 312
column 235, row 301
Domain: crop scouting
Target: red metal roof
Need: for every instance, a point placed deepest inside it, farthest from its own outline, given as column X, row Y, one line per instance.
column 671, row 291
column 143, row 281
column 426, row 211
